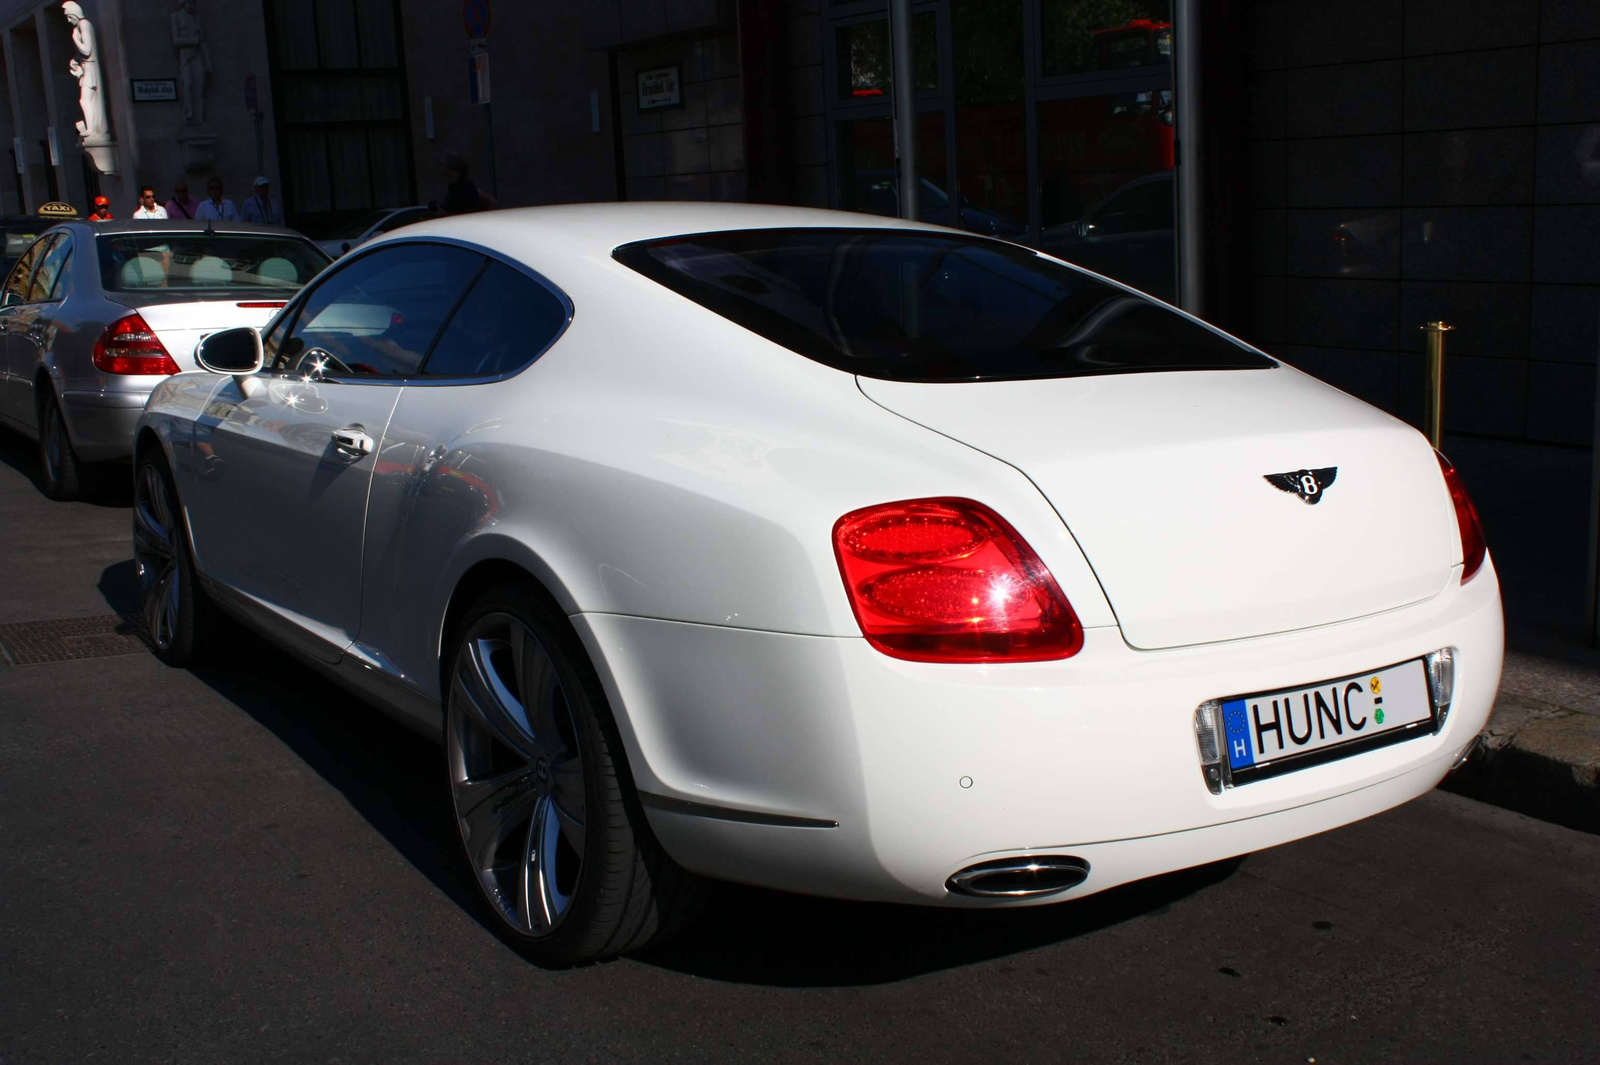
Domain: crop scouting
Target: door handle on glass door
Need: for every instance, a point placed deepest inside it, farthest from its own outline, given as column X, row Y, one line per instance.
column 353, row 441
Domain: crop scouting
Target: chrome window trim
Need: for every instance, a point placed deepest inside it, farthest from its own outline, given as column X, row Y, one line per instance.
column 371, row 247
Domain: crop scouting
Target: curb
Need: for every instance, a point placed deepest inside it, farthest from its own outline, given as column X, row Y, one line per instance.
column 1539, row 759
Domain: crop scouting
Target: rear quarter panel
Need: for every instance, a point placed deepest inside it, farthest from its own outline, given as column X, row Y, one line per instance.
column 658, row 462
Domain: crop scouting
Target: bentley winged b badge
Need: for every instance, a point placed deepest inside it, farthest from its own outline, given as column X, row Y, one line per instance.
column 1307, row 484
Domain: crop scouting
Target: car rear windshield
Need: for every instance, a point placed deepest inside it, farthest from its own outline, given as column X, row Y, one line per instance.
column 146, row 262
column 920, row 306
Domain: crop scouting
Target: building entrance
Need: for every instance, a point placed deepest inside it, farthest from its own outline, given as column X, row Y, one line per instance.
column 1047, row 122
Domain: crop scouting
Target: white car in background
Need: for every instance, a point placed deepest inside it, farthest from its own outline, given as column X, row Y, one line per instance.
column 831, row 553
column 372, row 224
column 93, row 315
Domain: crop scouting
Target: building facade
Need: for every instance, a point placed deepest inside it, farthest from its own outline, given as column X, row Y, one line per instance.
column 1355, row 168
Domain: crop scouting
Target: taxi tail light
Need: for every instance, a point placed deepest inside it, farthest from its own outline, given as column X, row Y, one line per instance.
column 1473, row 545
column 948, row 580
column 129, row 346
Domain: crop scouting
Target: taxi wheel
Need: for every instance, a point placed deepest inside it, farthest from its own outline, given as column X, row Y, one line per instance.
column 58, row 463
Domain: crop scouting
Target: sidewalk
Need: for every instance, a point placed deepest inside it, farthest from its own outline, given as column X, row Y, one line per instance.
column 1541, row 751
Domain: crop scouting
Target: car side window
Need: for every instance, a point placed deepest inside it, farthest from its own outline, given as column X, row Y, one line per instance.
column 505, row 322
column 16, row 290
column 47, row 279
column 379, row 314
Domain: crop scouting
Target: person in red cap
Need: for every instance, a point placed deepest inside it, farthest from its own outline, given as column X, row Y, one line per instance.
column 102, row 210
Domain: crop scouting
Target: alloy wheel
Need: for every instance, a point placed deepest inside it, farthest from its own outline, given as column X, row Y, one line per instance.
column 516, row 774
column 155, row 551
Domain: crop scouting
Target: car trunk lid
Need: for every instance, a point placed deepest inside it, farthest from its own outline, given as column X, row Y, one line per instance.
column 180, row 323
column 1163, row 479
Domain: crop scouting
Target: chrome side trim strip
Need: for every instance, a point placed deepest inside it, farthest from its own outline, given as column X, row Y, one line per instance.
column 728, row 813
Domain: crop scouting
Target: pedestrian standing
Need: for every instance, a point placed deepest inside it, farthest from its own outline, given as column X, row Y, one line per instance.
column 182, row 205
column 261, row 208
column 214, row 208
column 148, row 207
column 102, row 210
column 462, row 195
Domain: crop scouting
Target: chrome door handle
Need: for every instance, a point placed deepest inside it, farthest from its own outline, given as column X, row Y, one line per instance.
column 353, row 441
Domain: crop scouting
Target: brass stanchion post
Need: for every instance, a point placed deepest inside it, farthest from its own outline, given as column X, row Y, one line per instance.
column 1433, row 413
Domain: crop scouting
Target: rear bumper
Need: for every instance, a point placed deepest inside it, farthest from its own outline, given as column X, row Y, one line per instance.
column 929, row 769
column 101, row 424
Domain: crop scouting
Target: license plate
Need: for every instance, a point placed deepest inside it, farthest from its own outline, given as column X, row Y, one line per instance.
column 1279, row 731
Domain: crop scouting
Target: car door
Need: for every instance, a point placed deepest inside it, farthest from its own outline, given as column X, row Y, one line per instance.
column 284, row 459
column 16, row 386
column 1130, row 237
column 31, row 323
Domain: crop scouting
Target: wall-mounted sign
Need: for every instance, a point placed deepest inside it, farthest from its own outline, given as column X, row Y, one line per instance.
column 57, row 209
column 659, row 88
column 155, row 90
column 478, row 78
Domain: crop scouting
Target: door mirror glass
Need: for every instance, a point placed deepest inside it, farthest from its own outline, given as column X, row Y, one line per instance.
column 232, row 351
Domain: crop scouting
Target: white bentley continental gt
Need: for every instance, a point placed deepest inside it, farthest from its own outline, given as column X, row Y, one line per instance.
column 837, row 554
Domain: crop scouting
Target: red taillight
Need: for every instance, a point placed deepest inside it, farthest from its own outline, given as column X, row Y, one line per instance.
column 264, row 303
column 1473, row 545
column 947, row 580
column 129, row 346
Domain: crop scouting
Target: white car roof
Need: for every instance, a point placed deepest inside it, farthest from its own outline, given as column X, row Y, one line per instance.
column 595, row 229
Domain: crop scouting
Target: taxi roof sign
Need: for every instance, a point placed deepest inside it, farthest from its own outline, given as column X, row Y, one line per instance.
column 57, row 209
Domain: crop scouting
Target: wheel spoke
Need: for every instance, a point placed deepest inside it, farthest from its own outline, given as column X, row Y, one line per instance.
column 533, row 908
column 547, row 834
column 485, row 697
column 566, row 799
column 491, row 821
column 149, row 533
column 161, row 605
column 536, row 685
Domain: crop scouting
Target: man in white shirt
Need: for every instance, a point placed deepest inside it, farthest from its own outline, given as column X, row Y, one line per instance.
column 214, row 207
column 261, row 208
column 148, row 207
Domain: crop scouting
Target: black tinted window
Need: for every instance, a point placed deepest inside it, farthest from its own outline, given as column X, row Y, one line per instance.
column 506, row 320
column 379, row 313
column 916, row 306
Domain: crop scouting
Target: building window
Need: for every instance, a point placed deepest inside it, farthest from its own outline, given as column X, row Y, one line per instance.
column 339, row 85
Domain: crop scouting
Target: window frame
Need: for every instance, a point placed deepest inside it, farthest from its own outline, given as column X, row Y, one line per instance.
column 32, row 267
column 63, row 238
column 289, row 317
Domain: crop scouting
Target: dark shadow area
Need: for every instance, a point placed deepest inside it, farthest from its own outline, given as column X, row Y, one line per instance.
column 101, row 484
column 119, row 583
column 394, row 778
column 753, row 936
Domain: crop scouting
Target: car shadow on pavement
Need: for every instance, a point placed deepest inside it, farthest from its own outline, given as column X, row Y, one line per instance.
column 394, row 779
column 107, row 484
column 753, row 936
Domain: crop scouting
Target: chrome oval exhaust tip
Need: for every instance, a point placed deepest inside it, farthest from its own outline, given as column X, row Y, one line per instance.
column 1020, row 878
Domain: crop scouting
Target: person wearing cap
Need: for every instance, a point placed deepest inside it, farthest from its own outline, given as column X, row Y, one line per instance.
column 261, row 208
column 148, row 207
column 214, row 208
column 182, row 205
column 102, row 210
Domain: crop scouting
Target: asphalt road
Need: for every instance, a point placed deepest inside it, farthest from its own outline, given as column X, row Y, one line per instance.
column 241, row 863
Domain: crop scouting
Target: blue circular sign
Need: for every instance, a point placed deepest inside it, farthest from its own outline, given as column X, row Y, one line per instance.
column 475, row 17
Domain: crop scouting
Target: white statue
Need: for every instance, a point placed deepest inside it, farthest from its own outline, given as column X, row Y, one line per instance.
column 194, row 60
column 86, row 68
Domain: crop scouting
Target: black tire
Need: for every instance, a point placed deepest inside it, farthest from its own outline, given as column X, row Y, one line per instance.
column 620, row 890
column 59, row 469
column 178, row 616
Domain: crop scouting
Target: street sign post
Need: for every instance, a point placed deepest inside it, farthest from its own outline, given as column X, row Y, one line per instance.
column 475, row 17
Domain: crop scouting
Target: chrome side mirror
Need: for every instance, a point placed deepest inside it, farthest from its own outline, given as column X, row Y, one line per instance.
column 233, row 351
